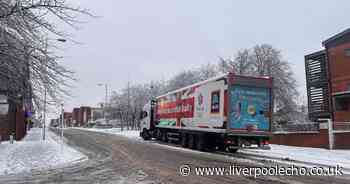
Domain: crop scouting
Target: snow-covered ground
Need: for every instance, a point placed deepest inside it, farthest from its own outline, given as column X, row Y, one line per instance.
column 315, row 156
column 32, row 153
column 305, row 156
column 132, row 134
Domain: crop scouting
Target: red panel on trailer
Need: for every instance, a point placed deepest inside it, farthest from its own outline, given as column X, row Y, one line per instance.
column 178, row 109
column 225, row 102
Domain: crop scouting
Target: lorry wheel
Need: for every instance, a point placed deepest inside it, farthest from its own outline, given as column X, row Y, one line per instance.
column 145, row 135
column 158, row 135
column 164, row 137
column 184, row 140
column 200, row 143
column 232, row 150
column 191, row 141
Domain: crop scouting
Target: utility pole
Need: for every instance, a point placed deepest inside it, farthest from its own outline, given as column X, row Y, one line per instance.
column 62, row 120
column 128, row 111
column 45, row 88
column 45, row 69
column 106, row 100
column 44, row 125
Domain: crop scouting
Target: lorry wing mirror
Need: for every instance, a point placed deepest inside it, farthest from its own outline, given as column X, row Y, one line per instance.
column 143, row 114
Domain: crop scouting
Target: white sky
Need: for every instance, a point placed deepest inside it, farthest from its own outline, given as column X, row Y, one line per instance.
column 154, row 39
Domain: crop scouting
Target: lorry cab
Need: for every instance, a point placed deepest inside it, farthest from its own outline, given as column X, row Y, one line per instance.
column 145, row 120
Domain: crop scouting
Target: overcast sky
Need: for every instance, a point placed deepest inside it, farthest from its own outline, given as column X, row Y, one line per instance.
column 149, row 40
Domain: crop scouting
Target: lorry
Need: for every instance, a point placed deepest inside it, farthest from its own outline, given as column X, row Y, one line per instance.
column 226, row 113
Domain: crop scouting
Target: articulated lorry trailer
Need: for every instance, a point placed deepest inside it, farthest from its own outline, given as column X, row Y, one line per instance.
column 226, row 113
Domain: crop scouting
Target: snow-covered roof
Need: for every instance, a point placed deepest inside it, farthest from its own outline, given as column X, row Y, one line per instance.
column 337, row 36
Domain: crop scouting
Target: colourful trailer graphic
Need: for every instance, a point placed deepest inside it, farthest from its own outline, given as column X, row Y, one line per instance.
column 249, row 108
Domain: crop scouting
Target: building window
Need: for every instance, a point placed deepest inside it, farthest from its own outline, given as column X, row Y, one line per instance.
column 215, row 102
column 342, row 103
column 347, row 52
column 4, row 106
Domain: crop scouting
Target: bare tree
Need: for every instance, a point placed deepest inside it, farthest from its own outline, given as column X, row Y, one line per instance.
column 264, row 60
column 268, row 62
column 241, row 64
column 27, row 28
column 183, row 79
column 207, row 71
column 192, row 76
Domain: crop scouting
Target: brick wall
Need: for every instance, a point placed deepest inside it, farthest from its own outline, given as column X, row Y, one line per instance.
column 4, row 133
column 13, row 122
column 302, row 139
column 339, row 64
column 20, row 123
column 342, row 116
column 4, row 127
column 312, row 139
column 339, row 67
column 342, row 140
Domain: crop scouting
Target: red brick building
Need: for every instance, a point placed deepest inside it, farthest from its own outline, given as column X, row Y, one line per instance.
column 328, row 79
column 80, row 116
column 75, row 116
column 338, row 54
column 68, row 119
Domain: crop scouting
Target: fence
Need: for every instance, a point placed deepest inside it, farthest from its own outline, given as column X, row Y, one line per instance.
column 341, row 127
column 322, row 134
column 302, row 127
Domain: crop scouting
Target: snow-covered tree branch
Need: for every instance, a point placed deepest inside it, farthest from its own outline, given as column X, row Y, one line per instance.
column 28, row 32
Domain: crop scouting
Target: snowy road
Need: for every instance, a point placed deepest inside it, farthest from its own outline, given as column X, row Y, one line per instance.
column 118, row 159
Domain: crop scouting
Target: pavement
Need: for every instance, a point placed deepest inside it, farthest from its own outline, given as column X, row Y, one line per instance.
column 118, row 159
column 34, row 154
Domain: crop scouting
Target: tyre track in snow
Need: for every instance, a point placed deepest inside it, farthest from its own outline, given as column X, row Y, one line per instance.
column 116, row 159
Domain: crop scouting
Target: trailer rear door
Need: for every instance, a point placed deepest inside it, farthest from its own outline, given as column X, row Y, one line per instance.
column 250, row 102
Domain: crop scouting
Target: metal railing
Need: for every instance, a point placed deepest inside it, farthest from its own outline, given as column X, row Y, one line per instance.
column 300, row 127
column 341, row 126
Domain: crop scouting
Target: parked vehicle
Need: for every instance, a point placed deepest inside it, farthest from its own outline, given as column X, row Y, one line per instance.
column 103, row 126
column 102, row 123
column 90, row 124
column 115, row 122
column 227, row 112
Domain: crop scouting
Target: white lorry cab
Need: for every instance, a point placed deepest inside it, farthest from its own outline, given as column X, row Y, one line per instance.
column 145, row 118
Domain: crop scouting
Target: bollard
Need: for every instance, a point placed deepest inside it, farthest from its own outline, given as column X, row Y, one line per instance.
column 11, row 138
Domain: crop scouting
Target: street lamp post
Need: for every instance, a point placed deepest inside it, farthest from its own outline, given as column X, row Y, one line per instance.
column 44, row 124
column 62, row 120
column 106, row 101
column 45, row 91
